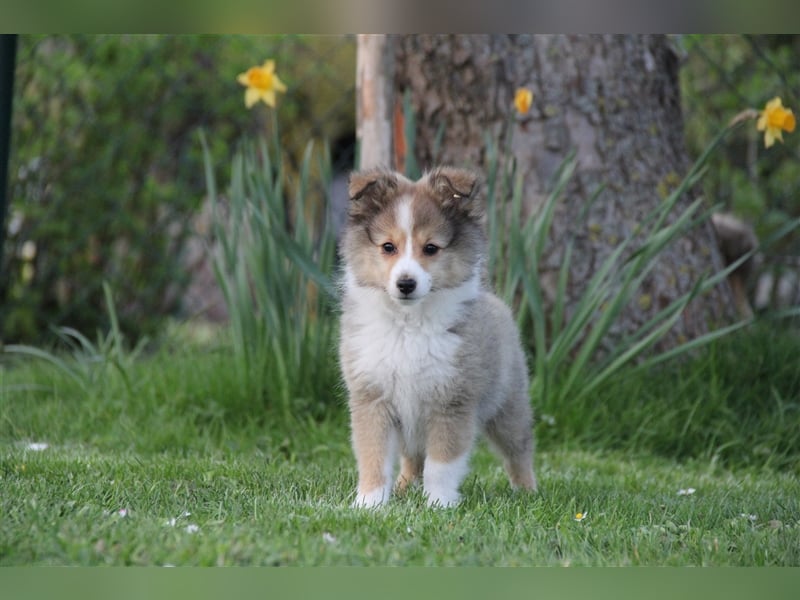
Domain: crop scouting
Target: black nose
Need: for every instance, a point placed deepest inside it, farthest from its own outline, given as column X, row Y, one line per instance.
column 406, row 285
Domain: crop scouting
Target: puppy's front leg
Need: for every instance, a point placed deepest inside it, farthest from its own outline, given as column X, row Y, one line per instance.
column 375, row 442
column 450, row 441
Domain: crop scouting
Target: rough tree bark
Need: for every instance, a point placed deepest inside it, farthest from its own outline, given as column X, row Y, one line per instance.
column 614, row 99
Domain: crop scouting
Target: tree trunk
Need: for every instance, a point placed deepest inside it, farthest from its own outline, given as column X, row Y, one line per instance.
column 615, row 100
column 374, row 93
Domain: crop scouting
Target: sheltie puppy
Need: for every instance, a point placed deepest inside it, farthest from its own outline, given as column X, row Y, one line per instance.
column 430, row 356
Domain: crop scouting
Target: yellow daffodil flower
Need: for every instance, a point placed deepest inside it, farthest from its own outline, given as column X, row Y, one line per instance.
column 523, row 100
column 261, row 83
column 774, row 120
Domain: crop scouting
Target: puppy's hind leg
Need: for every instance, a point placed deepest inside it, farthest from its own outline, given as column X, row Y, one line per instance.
column 410, row 470
column 511, row 434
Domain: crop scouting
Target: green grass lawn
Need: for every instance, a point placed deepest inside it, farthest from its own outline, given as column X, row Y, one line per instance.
column 171, row 464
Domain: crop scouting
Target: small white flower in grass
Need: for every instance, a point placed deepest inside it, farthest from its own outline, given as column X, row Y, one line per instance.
column 38, row 446
column 192, row 528
column 122, row 512
column 580, row 516
column 328, row 537
column 174, row 520
column 751, row 518
column 686, row 492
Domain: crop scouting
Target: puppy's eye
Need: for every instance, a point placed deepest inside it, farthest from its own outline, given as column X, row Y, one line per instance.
column 430, row 249
column 389, row 248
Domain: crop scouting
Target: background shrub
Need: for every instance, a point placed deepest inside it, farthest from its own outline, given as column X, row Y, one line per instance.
column 107, row 168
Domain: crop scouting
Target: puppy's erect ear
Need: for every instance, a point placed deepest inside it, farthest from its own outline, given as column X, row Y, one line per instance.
column 369, row 190
column 459, row 190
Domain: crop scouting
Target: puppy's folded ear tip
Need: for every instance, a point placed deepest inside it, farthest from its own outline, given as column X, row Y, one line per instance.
column 459, row 183
column 454, row 183
column 458, row 190
column 361, row 181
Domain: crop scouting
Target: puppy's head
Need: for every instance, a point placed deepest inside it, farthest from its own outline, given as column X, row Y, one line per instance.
column 414, row 238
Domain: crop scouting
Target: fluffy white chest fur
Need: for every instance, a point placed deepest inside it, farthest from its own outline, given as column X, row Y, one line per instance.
column 409, row 352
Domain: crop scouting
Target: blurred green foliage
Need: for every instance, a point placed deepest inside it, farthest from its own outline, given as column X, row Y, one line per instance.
column 107, row 169
column 721, row 76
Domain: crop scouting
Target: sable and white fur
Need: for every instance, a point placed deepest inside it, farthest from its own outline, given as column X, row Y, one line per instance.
column 430, row 356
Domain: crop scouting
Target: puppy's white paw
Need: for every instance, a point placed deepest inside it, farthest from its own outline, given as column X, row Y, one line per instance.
column 443, row 499
column 442, row 480
column 371, row 499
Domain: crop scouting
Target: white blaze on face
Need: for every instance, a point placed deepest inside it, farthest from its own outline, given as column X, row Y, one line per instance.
column 407, row 266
